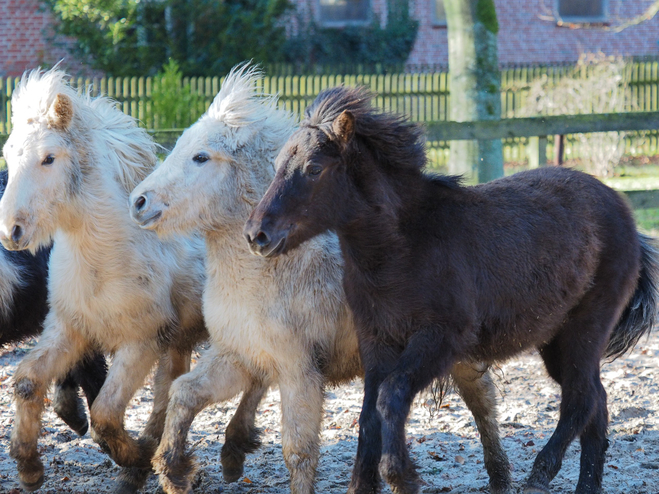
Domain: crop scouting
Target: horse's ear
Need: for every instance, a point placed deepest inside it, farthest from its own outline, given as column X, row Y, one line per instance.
column 344, row 126
column 60, row 112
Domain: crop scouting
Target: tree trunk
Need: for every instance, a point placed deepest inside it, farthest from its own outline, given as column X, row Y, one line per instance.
column 474, row 82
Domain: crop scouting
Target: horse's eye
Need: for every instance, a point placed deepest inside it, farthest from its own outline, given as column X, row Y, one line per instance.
column 200, row 158
column 314, row 170
column 48, row 160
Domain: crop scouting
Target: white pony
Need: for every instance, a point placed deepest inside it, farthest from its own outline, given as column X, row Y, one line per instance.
column 283, row 321
column 113, row 287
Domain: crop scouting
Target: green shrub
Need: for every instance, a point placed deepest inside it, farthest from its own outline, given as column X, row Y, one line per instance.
column 173, row 104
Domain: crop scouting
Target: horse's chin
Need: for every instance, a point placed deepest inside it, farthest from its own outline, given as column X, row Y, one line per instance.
column 151, row 222
column 270, row 251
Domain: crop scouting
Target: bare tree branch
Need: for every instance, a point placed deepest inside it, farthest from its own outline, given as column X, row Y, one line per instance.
column 649, row 13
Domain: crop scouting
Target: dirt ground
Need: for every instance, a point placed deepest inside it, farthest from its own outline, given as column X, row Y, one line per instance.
column 445, row 445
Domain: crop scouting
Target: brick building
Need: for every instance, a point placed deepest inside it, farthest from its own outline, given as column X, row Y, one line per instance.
column 25, row 37
column 531, row 31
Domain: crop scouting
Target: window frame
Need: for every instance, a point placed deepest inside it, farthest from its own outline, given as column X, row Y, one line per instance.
column 435, row 21
column 584, row 20
column 340, row 24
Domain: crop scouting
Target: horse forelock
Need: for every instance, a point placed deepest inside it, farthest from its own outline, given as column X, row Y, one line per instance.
column 250, row 118
column 396, row 142
column 133, row 152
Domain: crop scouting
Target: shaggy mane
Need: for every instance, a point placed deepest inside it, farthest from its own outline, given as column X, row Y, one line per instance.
column 395, row 142
column 129, row 148
column 239, row 104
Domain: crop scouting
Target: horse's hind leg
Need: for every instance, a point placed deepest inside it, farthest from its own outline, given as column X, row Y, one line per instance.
column 68, row 405
column 214, row 378
column 474, row 383
column 242, row 436
column 89, row 374
column 56, row 352
column 573, row 359
column 170, row 366
column 593, row 448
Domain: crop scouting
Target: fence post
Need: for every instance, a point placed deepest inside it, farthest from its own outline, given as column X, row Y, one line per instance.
column 537, row 151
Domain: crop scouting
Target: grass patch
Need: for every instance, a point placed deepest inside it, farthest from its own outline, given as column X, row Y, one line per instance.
column 647, row 220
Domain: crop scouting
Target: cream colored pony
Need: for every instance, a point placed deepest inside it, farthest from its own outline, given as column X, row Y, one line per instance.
column 114, row 287
column 282, row 321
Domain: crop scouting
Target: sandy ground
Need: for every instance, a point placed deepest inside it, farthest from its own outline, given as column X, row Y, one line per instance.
column 445, row 445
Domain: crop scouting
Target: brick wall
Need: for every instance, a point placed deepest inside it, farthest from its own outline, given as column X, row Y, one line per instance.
column 24, row 38
column 528, row 33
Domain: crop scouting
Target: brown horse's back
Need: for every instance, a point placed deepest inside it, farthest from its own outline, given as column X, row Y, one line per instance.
column 533, row 245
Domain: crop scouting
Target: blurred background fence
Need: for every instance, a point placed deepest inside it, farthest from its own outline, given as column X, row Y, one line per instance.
column 170, row 101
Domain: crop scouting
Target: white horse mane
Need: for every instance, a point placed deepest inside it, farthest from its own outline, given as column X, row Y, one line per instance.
column 240, row 105
column 134, row 155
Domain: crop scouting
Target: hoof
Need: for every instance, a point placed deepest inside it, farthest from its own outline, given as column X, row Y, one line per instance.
column 505, row 487
column 122, row 487
column 535, row 490
column 402, row 479
column 232, row 474
column 175, row 476
column 32, row 486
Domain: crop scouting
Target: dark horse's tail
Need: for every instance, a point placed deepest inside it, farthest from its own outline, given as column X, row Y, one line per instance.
column 640, row 314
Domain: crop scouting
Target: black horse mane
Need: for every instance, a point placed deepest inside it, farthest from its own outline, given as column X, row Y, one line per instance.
column 396, row 143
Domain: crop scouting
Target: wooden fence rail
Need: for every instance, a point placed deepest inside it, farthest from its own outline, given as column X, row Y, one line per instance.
column 514, row 128
column 423, row 96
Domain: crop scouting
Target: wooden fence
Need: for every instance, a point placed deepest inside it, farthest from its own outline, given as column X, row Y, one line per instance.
column 422, row 96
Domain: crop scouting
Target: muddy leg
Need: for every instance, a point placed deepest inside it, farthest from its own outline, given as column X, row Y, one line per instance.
column 583, row 413
column 593, row 449
column 474, row 383
column 129, row 369
column 378, row 361
column 57, row 351
column 426, row 355
column 242, row 436
column 302, row 395
column 170, row 366
column 215, row 378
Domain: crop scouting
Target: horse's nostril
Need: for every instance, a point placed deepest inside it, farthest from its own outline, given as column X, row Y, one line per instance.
column 262, row 239
column 140, row 202
column 16, row 233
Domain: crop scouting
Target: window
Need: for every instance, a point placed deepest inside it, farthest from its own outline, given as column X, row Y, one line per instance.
column 438, row 13
column 582, row 10
column 342, row 12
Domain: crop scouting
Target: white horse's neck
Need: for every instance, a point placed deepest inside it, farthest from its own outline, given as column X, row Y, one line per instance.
column 98, row 225
column 226, row 248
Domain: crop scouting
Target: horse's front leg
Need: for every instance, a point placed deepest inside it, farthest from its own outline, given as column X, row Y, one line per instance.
column 215, row 378
column 130, row 366
column 242, row 436
column 474, row 383
column 425, row 357
column 57, row 351
column 377, row 361
column 302, row 395
column 170, row 366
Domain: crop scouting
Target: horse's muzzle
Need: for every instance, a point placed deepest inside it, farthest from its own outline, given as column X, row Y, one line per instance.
column 15, row 240
column 262, row 243
column 142, row 212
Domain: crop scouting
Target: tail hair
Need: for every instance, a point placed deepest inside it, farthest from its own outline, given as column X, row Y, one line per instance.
column 640, row 315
